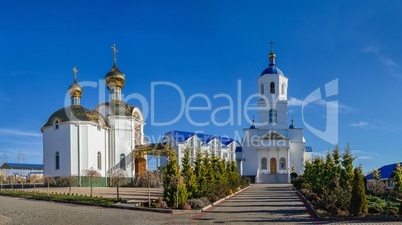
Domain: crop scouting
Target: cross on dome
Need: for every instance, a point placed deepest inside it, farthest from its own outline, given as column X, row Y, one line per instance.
column 115, row 51
column 75, row 73
column 272, row 45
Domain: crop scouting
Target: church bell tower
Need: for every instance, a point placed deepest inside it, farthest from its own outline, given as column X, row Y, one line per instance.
column 272, row 88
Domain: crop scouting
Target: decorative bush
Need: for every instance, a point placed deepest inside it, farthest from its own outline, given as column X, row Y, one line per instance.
column 184, row 206
column 196, row 203
column 320, row 204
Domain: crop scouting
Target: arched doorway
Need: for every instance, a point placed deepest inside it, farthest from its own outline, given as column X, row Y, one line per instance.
column 272, row 163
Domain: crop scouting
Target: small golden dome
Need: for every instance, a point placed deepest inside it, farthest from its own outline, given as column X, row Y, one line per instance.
column 271, row 55
column 75, row 90
column 115, row 78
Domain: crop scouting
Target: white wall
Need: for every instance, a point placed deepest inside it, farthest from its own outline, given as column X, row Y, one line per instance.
column 56, row 140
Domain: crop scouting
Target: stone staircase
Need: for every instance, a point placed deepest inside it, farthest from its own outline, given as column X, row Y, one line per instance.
column 273, row 178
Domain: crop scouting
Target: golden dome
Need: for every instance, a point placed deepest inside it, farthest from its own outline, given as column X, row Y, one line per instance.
column 115, row 78
column 271, row 55
column 75, row 90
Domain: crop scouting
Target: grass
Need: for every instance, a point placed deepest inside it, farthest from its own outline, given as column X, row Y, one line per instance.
column 58, row 197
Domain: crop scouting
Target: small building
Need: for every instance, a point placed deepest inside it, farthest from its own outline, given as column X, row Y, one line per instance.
column 221, row 146
column 386, row 175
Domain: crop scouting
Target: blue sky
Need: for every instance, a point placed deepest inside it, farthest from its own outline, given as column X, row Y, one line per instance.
column 206, row 47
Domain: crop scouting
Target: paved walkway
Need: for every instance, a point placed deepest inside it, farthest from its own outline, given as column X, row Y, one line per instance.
column 260, row 204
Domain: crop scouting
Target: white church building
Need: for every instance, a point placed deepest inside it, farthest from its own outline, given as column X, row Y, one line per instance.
column 272, row 149
column 76, row 138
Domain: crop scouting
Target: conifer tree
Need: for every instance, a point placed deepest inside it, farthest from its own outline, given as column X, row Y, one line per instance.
column 209, row 174
column 347, row 171
column 358, row 201
column 174, row 188
column 330, row 169
column 337, row 160
column 187, row 172
column 398, row 178
column 200, row 173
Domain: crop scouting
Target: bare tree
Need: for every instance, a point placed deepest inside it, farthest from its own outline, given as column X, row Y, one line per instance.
column 92, row 175
column 67, row 181
column 34, row 179
column 4, row 158
column 118, row 178
column 20, row 157
column 3, row 178
column 48, row 181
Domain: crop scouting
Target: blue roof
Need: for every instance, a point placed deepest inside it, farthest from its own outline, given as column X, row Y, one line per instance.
column 309, row 149
column 272, row 69
column 385, row 172
column 182, row 136
column 24, row 166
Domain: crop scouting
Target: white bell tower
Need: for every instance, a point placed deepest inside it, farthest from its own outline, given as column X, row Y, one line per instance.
column 272, row 104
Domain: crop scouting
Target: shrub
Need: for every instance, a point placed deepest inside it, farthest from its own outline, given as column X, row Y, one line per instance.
column 305, row 192
column 391, row 212
column 184, row 206
column 205, row 201
column 333, row 209
column 320, row 204
column 196, row 203
column 375, row 208
column 298, row 182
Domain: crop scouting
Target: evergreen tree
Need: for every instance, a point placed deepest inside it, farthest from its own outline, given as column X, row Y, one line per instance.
column 337, row 160
column 174, row 188
column 188, row 174
column 347, row 171
column 398, row 178
column 330, row 170
column 358, row 201
column 209, row 175
column 200, row 173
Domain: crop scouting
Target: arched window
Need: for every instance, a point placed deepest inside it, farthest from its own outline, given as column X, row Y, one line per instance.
column 262, row 89
column 122, row 161
column 272, row 116
column 57, row 160
column 56, row 123
column 272, row 88
column 99, row 161
column 283, row 89
column 264, row 163
column 282, row 163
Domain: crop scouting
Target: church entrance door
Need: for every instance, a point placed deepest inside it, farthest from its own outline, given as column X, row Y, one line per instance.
column 272, row 163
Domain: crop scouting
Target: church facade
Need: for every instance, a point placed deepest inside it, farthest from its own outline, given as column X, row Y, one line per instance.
column 272, row 149
column 76, row 138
